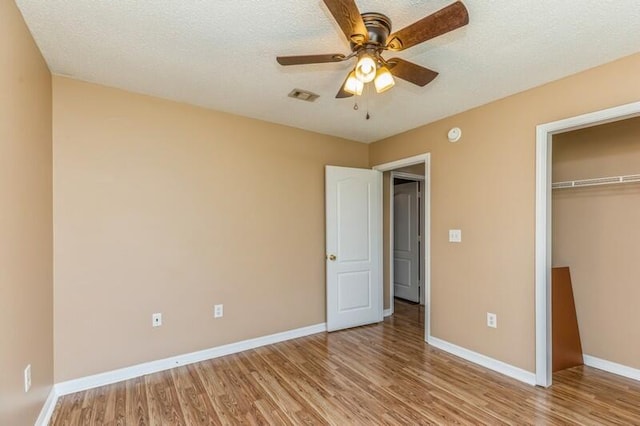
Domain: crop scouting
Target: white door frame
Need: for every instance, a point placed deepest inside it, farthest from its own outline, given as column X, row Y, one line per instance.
column 426, row 196
column 415, row 178
column 543, row 259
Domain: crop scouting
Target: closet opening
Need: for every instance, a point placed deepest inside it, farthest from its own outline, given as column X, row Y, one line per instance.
column 587, row 204
column 596, row 238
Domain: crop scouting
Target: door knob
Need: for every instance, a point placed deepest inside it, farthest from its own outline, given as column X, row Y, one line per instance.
column 332, row 257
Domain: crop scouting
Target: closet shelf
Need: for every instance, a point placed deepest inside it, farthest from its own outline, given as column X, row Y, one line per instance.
column 596, row 181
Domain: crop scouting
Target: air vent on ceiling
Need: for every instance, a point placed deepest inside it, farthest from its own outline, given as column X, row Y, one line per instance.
column 303, row 95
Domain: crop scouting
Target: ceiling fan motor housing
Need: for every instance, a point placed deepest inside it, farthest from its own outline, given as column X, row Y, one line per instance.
column 378, row 29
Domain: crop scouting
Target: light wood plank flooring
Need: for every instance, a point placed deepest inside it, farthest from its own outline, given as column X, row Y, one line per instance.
column 380, row 374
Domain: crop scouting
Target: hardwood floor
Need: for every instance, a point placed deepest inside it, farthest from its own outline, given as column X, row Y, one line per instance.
column 379, row 374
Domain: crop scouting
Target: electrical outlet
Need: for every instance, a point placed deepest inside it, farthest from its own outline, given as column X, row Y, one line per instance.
column 218, row 311
column 27, row 378
column 156, row 320
column 492, row 320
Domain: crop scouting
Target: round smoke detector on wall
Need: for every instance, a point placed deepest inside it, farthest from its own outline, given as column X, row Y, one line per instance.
column 454, row 134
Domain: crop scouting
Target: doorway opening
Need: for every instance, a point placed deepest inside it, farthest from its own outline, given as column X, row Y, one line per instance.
column 543, row 229
column 411, row 173
column 406, row 230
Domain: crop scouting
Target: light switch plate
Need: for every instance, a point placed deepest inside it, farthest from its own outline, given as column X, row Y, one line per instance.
column 455, row 236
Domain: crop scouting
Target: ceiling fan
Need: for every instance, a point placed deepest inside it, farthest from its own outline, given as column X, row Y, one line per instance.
column 369, row 35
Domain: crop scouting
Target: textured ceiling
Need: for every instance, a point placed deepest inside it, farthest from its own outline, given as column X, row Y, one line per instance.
column 221, row 54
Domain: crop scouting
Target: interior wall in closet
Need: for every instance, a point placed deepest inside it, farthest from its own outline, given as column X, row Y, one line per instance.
column 596, row 232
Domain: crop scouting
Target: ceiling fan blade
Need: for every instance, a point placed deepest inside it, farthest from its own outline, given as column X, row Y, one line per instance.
column 446, row 19
column 411, row 72
column 347, row 15
column 310, row 59
column 342, row 93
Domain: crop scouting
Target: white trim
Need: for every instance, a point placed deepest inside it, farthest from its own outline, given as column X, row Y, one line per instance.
column 386, row 167
column 427, row 247
column 391, row 265
column 407, row 176
column 47, row 409
column 127, row 373
column 611, row 367
column 544, row 133
column 404, row 162
column 485, row 361
column 543, row 258
column 388, row 312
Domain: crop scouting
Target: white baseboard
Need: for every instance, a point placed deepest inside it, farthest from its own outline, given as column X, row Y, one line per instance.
column 47, row 408
column 387, row 312
column 485, row 361
column 102, row 379
column 611, row 367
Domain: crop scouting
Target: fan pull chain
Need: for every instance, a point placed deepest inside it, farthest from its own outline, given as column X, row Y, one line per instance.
column 368, row 95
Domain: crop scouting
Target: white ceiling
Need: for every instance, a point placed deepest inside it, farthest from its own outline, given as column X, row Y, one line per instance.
column 221, row 54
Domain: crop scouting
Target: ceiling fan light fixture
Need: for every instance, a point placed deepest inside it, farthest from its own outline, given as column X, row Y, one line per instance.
column 384, row 80
column 366, row 68
column 353, row 85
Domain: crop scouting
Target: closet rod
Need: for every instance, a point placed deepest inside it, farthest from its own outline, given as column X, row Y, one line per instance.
column 596, row 181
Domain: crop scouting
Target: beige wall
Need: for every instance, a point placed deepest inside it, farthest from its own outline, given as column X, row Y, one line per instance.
column 596, row 232
column 164, row 207
column 416, row 169
column 26, row 286
column 485, row 186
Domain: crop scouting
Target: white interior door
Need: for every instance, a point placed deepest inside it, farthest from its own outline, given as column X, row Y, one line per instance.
column 406, row 255
column 354, row 246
